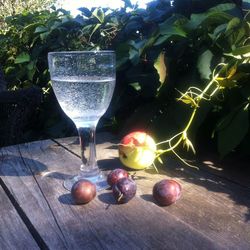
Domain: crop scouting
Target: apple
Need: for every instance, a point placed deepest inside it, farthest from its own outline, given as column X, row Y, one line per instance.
column 137, row 150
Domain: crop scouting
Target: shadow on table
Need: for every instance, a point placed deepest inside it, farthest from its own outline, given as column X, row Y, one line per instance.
column 11, row 165
column 109, row 164
column 148, row 197
column 66, row 199
column 56, row 175
column 107, row 198
column 212, row 181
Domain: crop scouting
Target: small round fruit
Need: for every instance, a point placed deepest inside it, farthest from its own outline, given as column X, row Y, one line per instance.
column 83, row 191
column 116, row 175
column 166, row 192
column 124, row 190
column 137, row 150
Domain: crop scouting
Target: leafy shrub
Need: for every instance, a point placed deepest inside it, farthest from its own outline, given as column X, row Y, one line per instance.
column 161, row 52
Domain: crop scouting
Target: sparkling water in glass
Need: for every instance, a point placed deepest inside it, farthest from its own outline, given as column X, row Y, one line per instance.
column 84, row 82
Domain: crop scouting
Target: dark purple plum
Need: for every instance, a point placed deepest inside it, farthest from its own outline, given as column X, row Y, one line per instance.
column 83, row 191
column 116, row 175
column 124, row 190
column 166, row 192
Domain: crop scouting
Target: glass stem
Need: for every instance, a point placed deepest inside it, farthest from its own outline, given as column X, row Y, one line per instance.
column 88, row 150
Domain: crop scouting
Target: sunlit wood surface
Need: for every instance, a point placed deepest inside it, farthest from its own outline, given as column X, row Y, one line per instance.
column 37, row 212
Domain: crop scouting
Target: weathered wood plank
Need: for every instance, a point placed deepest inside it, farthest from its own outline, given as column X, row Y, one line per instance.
column 13, row 232
column 34, row 175
column 232, row 168
column 18, row 174
column 214, row 205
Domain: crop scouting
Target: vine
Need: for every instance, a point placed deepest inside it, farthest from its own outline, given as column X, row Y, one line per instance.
column 194, row 99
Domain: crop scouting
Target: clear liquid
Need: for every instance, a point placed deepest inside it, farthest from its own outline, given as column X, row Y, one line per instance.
column 84, row 100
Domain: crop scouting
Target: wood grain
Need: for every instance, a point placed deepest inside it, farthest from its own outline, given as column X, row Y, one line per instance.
column 211, row 203
column 33, row 174
column 19, row 175
column 13, row 232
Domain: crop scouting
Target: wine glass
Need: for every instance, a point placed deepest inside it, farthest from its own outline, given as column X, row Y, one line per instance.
column 83, row 82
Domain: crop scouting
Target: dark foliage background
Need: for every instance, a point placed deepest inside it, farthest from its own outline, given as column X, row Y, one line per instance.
column 159, row 50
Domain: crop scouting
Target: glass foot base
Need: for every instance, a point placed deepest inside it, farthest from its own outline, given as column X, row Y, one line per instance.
column 100, row 181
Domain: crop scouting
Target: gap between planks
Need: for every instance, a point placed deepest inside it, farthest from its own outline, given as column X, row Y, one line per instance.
column 36, row 236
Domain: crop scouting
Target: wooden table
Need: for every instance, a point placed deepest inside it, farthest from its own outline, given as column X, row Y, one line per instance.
column 37, row 212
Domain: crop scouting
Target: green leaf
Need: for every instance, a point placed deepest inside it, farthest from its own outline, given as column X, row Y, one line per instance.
column 236, row 32
column 207, row 19
column 134, row 55
column 31, row 73
column 234, row 23
column 85, row 11
column 31, row 65
column 161, row 68
column 217, row 18
column 168, row 37
column 30, row 27
column 44, row 35
column 146, row 43
column 222, row 7
column 87, row 28
column 240, row 35
column 242, row 51
column 22, row 58
column 99, row 14
column 55, row 25
column 196, row 20
column 219, row 29
column 161, row 39
column 95, row 28
column 171, row 27
column 41, row 29
column 136, row 86
column 204, row 63
column 232, row 130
